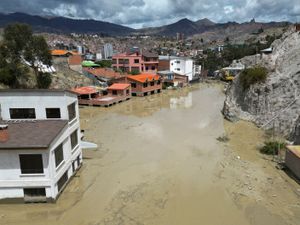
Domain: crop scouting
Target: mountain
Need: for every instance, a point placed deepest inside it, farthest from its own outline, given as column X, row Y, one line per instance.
column 185, row 26
column 64, row 25
column 189, row 28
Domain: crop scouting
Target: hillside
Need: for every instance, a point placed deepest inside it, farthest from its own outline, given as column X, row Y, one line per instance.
column 190, row 28
column 64, row 25
column 274, row 104
column 185, row 26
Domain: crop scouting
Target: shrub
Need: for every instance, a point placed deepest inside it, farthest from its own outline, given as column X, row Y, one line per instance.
column 252, row 76
column 271, row 147
column 44, row 80
column 135, row 72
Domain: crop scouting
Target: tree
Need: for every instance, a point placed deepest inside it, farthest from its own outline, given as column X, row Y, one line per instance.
column 37, row 53
column 20, row 45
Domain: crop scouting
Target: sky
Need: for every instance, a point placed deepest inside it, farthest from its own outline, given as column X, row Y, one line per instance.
column 147, row 13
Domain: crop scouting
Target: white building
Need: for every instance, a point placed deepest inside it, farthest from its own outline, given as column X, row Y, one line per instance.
column 108, row 51
column 39, row 143
column 185, row 67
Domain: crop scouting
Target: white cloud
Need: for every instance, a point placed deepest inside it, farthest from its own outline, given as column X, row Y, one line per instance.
column 141, row 13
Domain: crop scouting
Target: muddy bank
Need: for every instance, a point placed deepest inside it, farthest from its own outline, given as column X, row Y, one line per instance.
column 159, row 162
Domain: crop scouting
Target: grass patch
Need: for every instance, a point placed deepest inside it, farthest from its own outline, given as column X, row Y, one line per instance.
column 272, row 147
column 252, row 76
column 223, row 138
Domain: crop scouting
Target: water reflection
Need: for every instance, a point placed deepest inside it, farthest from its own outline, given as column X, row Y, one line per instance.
column 147, row 106
column 182, row 102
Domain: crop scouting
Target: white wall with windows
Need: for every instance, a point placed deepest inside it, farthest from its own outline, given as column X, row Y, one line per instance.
column 185, row 67
column 39, row 101
column 17, row 177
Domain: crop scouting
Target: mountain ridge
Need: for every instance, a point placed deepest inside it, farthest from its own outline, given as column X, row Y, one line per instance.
column 70, row 25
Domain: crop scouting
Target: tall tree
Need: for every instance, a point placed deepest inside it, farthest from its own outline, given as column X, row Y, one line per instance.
column 19, row 45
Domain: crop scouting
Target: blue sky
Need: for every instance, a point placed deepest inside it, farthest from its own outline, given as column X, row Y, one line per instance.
column 145, row 13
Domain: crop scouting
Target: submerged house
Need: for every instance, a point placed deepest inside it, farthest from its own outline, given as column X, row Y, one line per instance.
column 114, row 94
column 136, row 60
column 144, row 84
column 40, row 146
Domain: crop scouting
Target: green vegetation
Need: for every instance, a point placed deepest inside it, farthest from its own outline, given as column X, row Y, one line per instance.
column 252, row 76
column 134, row 72
column 105, row 63
column 217, row 60
column 20, row 45
column 44, row 80
column 223, row 138
column 272, row 147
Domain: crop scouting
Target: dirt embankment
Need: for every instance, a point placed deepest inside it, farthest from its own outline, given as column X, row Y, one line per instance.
column 65, row 78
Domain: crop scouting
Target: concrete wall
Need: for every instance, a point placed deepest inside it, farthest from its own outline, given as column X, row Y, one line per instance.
column 140, row 89
column 293, row 163
column 38, row 100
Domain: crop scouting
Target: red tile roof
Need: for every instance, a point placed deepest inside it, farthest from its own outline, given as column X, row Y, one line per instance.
column 85, row 90
column 75, row 60
column 144, row 77
column 58, row 52
column 104, row 72
column 118, row 86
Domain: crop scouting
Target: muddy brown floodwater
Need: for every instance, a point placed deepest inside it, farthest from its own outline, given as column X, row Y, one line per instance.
column 159, row 163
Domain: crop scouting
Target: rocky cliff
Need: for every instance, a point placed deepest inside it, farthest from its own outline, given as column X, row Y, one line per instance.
column 274, row 104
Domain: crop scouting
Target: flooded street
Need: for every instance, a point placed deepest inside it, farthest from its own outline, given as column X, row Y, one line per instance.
column 159, row 163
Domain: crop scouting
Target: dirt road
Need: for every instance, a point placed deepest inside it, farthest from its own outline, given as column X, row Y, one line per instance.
column 159, row 163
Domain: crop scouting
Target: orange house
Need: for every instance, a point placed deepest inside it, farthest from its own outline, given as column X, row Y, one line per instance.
column 91, row 96
column 144, row 84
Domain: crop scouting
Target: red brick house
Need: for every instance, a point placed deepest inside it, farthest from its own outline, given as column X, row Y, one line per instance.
column 91, row 96
column 144, row 84
column 135, row 60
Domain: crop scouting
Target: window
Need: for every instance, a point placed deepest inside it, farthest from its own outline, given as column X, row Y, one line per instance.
column 127, row 91
column 59, row 155
column 178, row 69
column 152, row 83
column 34, row 192
column 178, row 62
column 62, row 181
column 147, row 68
column 133, row 85
column 153, row 68
column 31, row 164
column 35, row 195
column 136, row 61
column 52, row 113
column 25, row 113
column 145, row 85
column 158, row 82
column 114, row 92
column 71, row 111
column 74, row 139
